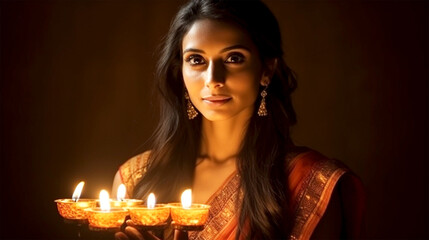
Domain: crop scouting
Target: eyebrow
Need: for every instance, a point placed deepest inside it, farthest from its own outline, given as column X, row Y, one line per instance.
column 222, row 51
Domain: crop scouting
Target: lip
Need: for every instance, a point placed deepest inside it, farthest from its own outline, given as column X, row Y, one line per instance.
column 217, row 100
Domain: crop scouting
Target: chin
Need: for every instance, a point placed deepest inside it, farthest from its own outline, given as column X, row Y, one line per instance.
column 224, row 116
column 215, row 118
column 241, row 114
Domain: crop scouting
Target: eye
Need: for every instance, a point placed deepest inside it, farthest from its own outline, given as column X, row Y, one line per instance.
column 235, row 58
column 195, row 60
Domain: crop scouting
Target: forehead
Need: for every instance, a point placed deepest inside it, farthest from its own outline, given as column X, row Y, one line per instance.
column 207, row 33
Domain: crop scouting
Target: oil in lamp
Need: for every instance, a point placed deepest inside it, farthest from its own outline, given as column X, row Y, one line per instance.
column 152, row 216
column 189, row 216
column 74, row 208
column 123, row 202
column 105, row 217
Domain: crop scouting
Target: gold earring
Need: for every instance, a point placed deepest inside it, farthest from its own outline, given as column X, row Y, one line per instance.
column 262, row 111
column 192, row 113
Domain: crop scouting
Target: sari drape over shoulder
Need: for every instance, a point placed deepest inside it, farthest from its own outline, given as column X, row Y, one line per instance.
column 132, row 171
column 311, row 182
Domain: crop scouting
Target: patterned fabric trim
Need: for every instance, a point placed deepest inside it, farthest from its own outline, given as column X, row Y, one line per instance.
column 314, row 197
column 223, row 209
column 132, row 171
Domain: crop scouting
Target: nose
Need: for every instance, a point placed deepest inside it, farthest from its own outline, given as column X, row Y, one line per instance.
column 215, row 75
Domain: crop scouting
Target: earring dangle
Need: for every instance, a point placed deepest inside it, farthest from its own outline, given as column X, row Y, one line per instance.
column 192, row 113
column 262, row 111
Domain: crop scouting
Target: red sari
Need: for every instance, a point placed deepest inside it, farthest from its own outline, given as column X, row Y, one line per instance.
column 311, row 180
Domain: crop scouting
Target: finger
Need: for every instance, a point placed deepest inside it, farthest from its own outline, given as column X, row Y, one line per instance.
column 133, row 233
column 130, row 223
column 144, row 235
column 121, row 236
column 149, row 236
column 180, row 235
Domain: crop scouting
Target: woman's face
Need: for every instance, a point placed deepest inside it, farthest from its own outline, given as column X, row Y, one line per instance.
column 221, row 69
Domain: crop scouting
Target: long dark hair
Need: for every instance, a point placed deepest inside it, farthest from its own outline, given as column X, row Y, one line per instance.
column 261, row 160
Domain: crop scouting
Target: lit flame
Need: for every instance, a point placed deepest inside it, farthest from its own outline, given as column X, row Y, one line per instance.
column 78, row 191
column 151, row 201
column 187, row 198
column 120, row 196
column 104, row 201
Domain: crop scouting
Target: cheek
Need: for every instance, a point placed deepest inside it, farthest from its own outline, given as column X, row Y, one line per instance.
column 251, row 94
column 189, row 77
column 193, row 83
column 190, row 74
column 247, row 85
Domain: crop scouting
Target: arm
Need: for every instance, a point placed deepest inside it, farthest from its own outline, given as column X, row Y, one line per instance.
column 343, row 217
column 331, row 224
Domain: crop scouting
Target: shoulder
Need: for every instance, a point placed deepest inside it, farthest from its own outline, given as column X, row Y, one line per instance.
column 135, row 163
column 312, row 179
column 311, row 169
column 306, row 159
column 133, row 170
column 308, row 166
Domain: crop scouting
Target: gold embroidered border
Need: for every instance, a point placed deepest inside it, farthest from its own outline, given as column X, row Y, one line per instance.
column 222, row 211
column 132, row 171
column 314, row 197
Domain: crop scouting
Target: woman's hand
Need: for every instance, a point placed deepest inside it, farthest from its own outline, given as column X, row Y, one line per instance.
column 131, row 233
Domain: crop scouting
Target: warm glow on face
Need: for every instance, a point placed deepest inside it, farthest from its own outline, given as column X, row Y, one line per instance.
column 221, row 69
column 151, row 201
column 187, row 198
column 104, row 200
column 120, row 196
column 78, row 191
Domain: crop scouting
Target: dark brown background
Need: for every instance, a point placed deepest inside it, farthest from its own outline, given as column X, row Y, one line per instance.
column 76, row 100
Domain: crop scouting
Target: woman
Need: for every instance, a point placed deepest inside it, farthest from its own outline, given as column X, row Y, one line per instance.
column 224, row 132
